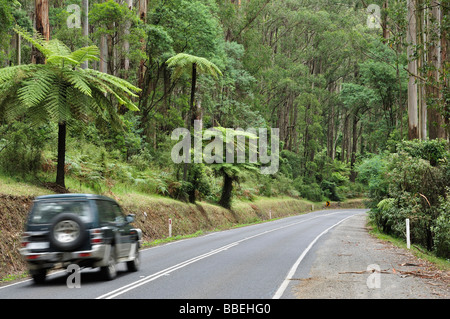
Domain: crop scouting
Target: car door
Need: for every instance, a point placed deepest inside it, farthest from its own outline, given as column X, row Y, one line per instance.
column 108, row 218
column 124, row 230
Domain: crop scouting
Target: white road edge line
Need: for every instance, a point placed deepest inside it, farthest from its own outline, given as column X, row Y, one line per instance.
column 149, row 278
column 292, row 271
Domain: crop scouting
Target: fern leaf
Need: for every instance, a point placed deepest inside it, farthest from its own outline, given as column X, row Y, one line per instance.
column 77, row 80
column 115, row 81
column 35, row 89
column 57, row 47
column 89, row 53
column 60, row 60
column 36, row 39
column 182, row 63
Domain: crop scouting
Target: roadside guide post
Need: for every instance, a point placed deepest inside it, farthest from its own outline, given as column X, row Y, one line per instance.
column 408, row 242
column 170, row 227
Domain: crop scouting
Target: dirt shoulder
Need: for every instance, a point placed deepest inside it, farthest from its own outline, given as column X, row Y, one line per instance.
column 340, row 269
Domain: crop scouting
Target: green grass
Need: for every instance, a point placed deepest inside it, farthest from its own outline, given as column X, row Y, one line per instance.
column 13, row 277
column 11, row 186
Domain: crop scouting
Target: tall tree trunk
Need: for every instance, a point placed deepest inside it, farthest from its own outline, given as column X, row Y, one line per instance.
column 354, row 145
column 43, row 27
column 192, row 107
column 384, row 24
column 445, row 42
column 85, row 4
column 420, row 33
column 103, row 53
column 126, row 44
column 18, row 49
column 413, row 119
column 60, row 168
column 143, row 17
column 435, row 120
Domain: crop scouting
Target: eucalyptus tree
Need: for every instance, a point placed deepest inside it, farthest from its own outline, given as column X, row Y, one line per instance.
column 60, row 90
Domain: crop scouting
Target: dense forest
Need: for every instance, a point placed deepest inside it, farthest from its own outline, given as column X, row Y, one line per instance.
column 91, row 92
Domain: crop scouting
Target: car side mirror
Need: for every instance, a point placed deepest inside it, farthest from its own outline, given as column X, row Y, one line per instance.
column 130, row 218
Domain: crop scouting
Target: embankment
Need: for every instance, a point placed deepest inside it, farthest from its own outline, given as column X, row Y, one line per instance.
column 152, row 214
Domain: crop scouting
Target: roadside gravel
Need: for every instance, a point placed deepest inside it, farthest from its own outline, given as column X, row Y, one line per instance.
column 352, row 264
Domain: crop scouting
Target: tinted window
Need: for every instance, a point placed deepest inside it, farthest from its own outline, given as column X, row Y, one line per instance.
column 44, row 212
column 109, row 212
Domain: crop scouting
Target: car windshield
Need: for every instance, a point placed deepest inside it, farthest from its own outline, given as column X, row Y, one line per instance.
column 45, row 211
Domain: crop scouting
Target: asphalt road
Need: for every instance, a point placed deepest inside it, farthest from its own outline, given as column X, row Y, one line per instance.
column 253, row 262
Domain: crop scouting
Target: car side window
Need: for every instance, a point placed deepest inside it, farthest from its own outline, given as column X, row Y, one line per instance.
column 106, row 213
column 118, row 216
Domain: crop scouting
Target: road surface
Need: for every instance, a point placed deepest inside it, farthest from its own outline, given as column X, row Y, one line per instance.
column 253, row 262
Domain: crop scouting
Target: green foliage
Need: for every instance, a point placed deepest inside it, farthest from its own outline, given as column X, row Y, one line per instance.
column 411, row 183
column 21, row 149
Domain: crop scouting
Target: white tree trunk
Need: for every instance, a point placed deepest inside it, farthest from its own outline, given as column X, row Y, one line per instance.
column 413, row 119
column 85, row 4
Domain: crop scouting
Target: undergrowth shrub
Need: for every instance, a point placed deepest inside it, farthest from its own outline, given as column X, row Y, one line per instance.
column 412, row 183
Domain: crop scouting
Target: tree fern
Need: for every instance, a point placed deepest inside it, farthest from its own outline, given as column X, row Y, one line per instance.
column 60, row 90
column 182, row 63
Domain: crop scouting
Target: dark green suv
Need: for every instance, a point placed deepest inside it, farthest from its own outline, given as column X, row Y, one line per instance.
column 83, row 229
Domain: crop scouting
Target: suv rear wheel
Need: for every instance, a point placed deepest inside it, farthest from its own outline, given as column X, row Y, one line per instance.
column 39, row 275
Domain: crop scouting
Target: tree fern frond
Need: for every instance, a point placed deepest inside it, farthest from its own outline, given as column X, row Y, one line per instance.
column 36, row 39
column 17, row 72
column 61, row 60
column 56, row 103
column 79, row 103
column 35, row 89
column 115, row 81
column 37, row 113
column 57, row 48
column 105, row 80
column 89, row 53
column 182, row 63
column 77, row 80
column 103, row 105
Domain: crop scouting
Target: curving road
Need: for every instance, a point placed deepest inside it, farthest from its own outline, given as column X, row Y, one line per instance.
column 253, row 262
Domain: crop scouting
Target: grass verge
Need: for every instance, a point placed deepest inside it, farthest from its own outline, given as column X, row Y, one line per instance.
column 419, row 252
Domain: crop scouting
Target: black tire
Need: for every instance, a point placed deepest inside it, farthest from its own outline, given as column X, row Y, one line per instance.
column 133, row 265
column 39, row 276
column 109, row 272
column 69, row 242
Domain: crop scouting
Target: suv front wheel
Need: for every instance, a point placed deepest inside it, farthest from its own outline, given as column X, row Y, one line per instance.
column 109, row 272
column 133, row 265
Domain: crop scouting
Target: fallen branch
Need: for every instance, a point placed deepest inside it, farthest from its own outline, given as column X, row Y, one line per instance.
column 385, row 271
